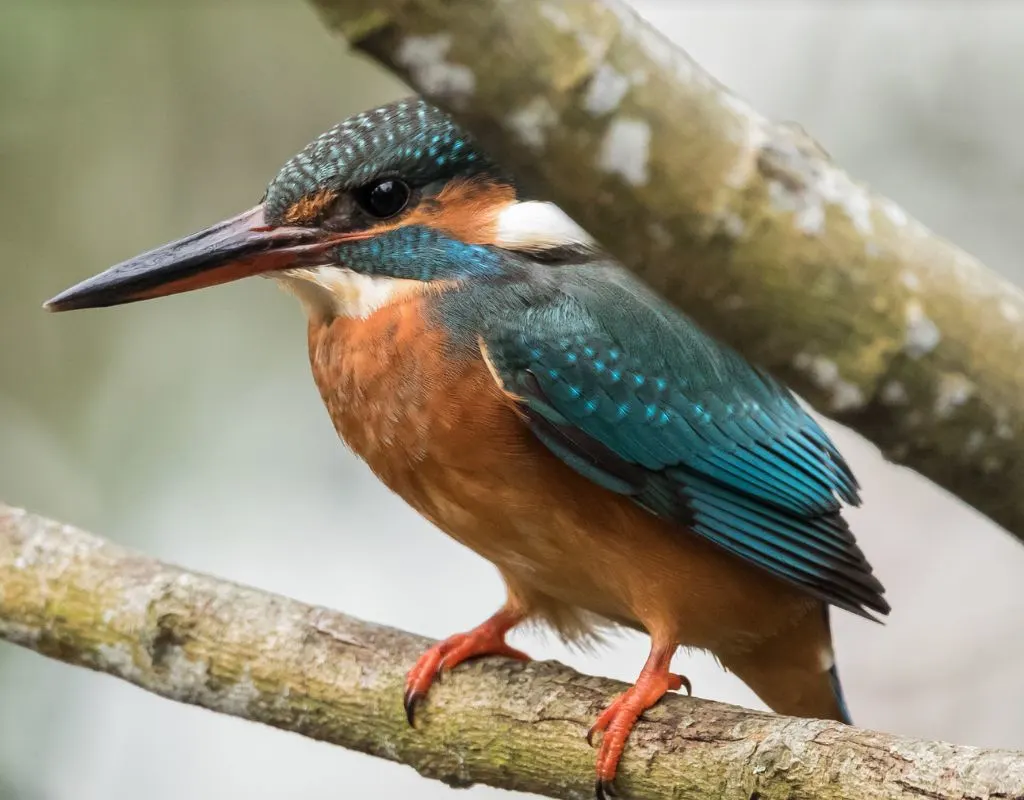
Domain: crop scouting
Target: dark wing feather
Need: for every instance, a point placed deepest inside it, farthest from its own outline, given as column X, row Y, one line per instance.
column 632, row 395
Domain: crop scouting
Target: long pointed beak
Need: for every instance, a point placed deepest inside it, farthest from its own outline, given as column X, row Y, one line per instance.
column 233, row 249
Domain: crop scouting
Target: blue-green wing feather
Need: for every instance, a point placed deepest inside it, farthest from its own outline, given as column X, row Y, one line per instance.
column 635, row 397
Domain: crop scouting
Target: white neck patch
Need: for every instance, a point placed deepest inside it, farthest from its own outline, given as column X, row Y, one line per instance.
column 340, row 292
column 537, row 225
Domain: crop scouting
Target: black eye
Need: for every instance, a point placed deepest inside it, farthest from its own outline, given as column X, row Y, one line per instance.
column 383, row 198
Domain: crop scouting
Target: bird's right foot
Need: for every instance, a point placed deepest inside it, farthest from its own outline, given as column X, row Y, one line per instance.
column 487, row 639
column 616, row 722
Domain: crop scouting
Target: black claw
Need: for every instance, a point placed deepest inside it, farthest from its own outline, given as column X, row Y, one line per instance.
column 590, row 737
column 687, row 685
column 604, row 789
column 411, row 699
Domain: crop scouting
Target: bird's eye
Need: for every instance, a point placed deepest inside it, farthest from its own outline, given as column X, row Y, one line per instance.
column 384, row 198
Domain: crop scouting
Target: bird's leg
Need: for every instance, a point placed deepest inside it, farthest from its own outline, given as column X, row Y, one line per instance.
column 617, row 721
column 486, row 639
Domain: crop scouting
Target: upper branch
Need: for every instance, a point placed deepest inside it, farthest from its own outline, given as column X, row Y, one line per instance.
column 262, row 657
column 743, row 223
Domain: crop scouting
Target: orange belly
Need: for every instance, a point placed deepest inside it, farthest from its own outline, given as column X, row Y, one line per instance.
column 441, row 434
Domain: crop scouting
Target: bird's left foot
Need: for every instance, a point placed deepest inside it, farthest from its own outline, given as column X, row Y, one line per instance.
column 487, row 639
column 617, row 721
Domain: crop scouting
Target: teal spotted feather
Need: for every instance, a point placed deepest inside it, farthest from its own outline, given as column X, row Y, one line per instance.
column 635, row 397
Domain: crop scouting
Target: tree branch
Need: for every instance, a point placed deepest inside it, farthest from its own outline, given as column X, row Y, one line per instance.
column 239, row 651
column 743, row 223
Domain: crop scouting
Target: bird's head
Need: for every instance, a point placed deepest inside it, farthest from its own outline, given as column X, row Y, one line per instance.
column 394, row 194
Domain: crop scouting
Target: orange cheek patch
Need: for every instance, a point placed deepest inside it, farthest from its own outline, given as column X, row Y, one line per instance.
column 309, row 208
column 466, row 210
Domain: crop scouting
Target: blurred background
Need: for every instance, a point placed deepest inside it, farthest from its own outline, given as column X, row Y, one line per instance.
column 190, row 428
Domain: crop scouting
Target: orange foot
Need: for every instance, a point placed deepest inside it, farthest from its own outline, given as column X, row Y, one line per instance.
column 617, row 721
column 487, row 639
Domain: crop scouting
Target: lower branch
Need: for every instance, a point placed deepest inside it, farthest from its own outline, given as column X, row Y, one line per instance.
column 236, row 650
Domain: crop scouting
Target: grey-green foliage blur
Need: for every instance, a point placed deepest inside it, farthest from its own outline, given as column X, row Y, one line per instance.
column 189, row 427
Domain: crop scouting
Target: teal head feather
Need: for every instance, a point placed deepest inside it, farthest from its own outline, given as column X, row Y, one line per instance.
column 409, row 139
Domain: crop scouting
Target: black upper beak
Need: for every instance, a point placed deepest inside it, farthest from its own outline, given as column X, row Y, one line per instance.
column 233, row 249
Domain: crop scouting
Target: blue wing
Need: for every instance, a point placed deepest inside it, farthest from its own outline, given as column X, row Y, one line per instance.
column 635, row 397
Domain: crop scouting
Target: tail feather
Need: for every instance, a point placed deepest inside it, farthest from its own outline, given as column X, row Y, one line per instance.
column 794, row 672
column 837, row 690
column 833, row 672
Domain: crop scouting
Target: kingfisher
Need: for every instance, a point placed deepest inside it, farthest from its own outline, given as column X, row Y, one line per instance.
column 530, row 397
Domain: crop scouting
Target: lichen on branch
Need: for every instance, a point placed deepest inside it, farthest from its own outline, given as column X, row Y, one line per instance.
column 236, row 650
column 743, row 223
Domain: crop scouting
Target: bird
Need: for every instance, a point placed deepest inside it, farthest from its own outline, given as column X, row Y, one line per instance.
column 504, row 375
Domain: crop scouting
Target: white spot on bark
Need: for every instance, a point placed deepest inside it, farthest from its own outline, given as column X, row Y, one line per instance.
column 751, row 135
column 922, row 334
column 39, row 549
column 953, row 391
column 117, row 659
column 894, row 393
column 240, row 696
column 826, row 659
column 733, row 224
column 811, row 219
column 824, row 373
column 556, row 16
column 531, row 123
column 425, row 58
column 974, row 441
column 625, row 150
column 185, row 674
column 389, row 748
column 893, row 212
column 593, row 47
column 910, row 280
column 606, row 90
column 1010, row 312
column 1003, row 429
column 806, row 185
column 660, row 237
column 837, row 187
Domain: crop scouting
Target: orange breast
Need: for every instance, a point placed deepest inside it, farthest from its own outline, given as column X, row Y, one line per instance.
column 438, row 431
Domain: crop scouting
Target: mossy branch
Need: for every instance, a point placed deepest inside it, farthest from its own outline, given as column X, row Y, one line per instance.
column 745, row 224
column 236, row 650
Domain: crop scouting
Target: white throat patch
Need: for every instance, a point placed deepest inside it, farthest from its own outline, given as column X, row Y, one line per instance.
column 534, row 225
column 340, row 292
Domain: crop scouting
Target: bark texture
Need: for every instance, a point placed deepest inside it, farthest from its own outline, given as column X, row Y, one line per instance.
column 236, row 650
column 743, row 223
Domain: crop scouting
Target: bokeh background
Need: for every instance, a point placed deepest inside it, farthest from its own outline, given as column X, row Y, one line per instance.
column 190, row 428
